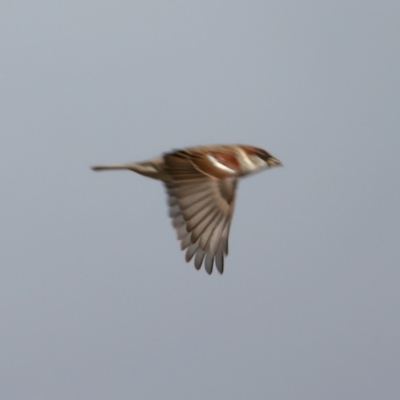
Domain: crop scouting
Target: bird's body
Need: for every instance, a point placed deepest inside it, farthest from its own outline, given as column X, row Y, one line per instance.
column 201, row 184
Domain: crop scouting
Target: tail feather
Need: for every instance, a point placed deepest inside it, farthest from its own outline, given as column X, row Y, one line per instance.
column 109, row 167
column 150, row 169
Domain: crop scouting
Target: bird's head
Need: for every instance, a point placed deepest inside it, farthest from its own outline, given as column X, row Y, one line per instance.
column 257, row 159
column 268, row 158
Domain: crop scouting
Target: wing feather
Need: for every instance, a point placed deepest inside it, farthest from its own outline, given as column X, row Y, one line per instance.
column 209, row 262
column 191, row 251
column 209, row 232
column 219, row 260
column 201, row 207
column 199, row 225
column 196, row 198
column 204, row 207
column 215, row 238
column 198, row 260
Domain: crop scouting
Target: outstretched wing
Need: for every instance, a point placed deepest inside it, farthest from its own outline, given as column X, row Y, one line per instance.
column 201, row 208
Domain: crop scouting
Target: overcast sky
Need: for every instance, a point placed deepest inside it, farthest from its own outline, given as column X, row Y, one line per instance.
column 96, row 300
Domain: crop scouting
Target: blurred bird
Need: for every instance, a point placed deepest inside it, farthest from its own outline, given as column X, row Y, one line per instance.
column 201, row 184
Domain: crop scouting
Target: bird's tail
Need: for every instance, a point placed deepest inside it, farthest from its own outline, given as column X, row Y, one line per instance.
column 151, row 169
column 107, row 167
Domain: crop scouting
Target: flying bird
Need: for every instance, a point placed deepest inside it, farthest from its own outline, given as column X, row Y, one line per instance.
column 201, row 184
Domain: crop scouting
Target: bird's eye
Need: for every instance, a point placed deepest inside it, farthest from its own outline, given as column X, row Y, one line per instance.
column 264, row 155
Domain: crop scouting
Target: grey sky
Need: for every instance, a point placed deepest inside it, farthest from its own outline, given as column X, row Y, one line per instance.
column 96, row 300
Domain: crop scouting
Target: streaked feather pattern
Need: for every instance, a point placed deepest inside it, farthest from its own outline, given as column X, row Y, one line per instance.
column 201, row 185
column 203, row 205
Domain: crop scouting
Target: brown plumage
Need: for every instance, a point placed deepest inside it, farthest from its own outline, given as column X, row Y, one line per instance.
column 201, row 184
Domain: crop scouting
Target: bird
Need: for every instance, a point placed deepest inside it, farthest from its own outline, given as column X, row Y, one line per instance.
column 201, row 185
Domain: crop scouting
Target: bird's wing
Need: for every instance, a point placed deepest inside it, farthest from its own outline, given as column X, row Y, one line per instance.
column 201, row 208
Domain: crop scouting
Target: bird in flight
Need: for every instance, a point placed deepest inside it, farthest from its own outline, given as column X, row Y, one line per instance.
column 201, row 184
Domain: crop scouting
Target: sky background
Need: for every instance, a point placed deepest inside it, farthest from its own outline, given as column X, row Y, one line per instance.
column 96, row 300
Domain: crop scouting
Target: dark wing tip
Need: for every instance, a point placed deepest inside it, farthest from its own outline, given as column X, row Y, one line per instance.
column 219, row 261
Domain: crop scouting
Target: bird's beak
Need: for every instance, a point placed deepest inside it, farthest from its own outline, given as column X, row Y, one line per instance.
column 274, row 162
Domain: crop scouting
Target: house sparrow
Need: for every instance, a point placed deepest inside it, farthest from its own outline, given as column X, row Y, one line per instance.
column 201, row 183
